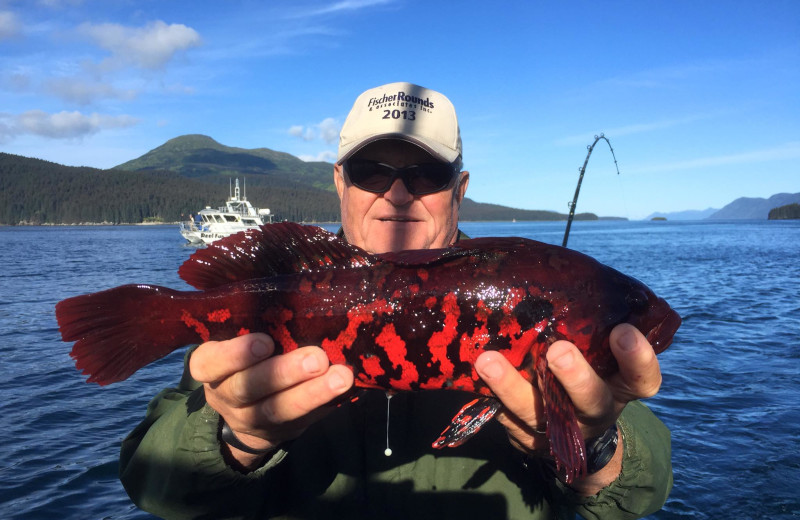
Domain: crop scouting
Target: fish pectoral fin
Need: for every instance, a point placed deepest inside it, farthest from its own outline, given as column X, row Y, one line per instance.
column 566, row 439
column 467, row 422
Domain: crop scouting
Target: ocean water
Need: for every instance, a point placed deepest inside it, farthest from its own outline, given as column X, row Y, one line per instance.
column 730, row 395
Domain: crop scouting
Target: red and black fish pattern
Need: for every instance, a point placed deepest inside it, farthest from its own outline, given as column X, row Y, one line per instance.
column 405, row 321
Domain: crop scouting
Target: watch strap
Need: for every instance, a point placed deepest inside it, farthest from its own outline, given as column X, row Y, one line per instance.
column 600, row 450
column 230, row 438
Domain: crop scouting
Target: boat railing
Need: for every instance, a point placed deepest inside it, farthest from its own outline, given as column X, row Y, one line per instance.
column 191, row 225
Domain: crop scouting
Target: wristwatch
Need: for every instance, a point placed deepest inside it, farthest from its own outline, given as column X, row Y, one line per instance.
column 600, row 450
column 227, row 435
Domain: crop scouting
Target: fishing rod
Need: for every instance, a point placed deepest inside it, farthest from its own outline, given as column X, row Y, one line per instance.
column 582, row 170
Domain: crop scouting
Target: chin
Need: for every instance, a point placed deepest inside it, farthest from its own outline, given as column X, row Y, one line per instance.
column 394, row 244
column 397, row 236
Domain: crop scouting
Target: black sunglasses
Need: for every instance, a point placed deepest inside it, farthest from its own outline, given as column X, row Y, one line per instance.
column 419, row 179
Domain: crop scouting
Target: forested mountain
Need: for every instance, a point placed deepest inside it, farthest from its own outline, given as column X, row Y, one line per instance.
column 199, row 156
column 33, row 191
column 788, row 212
column 471, row 210
column 182, row 176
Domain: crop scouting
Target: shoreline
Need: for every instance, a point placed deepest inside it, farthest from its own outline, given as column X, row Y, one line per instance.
column 52, row 224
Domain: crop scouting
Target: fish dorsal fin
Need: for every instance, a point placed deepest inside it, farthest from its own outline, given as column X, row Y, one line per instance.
column 271, row 250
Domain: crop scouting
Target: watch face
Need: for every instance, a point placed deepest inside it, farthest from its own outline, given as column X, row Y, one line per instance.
column 600, row 450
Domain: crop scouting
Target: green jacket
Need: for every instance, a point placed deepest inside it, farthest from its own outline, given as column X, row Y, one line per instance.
column 171, row 465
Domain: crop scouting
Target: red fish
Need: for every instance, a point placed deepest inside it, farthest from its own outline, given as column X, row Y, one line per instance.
column 410, row 320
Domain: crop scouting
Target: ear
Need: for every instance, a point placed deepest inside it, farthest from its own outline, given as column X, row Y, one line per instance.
column 338, row 179
column 461, row 189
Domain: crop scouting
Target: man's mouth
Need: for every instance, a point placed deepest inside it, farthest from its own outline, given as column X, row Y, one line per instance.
column 397, row 219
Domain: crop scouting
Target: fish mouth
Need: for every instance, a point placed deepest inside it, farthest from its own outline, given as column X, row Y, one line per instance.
column 660, row 336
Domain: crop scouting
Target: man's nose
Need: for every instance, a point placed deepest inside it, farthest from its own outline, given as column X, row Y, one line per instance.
column 398, row 194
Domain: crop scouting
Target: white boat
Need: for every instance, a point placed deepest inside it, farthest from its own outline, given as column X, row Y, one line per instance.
column 212, row 224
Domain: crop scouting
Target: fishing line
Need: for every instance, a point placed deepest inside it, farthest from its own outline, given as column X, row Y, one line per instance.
column 388, row 450
column 624, row 197
column 582, row 171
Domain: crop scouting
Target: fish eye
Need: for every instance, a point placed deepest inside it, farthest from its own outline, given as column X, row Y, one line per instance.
column 637, row 300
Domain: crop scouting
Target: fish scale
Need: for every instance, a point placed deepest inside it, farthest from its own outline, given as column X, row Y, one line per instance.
column 403, row 321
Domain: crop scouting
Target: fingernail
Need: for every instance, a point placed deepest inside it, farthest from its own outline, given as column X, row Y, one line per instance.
column 336, row 382
column 627, row 340
column 562, row 361
column 311, row 364
column 259, row 349
column 492, row 370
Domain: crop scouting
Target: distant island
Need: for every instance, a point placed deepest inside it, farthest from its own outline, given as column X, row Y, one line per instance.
column 744, row 208
column 683, row 215
column 788, row 212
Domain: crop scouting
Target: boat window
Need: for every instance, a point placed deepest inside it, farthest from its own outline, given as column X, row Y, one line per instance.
column 249, row 221
column 230, row 218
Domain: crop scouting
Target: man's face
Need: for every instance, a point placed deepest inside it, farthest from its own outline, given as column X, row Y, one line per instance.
column 397, row 220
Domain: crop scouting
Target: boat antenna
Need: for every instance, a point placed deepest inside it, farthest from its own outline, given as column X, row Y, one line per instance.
column 582, row 170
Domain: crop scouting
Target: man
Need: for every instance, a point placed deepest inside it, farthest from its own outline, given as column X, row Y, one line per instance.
column 250, row 433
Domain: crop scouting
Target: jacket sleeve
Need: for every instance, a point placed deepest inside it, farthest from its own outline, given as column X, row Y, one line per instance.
column 646, row 478
column 171, row 464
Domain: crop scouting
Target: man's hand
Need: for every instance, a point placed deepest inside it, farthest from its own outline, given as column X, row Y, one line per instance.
column 598, row 403
column 266, row 399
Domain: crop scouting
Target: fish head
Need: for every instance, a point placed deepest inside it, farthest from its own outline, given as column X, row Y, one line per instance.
column 653, row 316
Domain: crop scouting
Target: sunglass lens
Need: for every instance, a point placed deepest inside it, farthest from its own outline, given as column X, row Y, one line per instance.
column 369, row 176
column 419, row 179
column 429, row 178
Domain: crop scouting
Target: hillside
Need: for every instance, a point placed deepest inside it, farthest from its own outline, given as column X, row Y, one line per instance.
column 471, row 210
column 33, row 191
column 755, row 208
column 182, row 176
column 199, row 156
column 788, row 212
column 684, row 215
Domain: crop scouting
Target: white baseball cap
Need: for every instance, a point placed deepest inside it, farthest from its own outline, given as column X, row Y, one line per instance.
column 403, row 111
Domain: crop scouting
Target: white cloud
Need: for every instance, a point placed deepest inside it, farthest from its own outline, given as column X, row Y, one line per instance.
column 348, row 5
column 149, row 47
column 327, row 130
column 61, row 125
column 82, row 92
column 10, row 26
column 306, row 134
column 632, row 129
column 16, row 81
column 58, row 4
column 326, row 156
column 787, row 151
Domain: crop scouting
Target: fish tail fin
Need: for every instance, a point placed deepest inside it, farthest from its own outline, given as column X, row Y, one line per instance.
column 566, row 439
column 467, row 422
column 120, row 330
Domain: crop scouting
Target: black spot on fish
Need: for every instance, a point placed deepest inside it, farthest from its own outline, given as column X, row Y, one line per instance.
column 531, row 311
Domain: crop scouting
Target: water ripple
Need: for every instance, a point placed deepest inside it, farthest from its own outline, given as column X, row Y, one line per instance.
column 729, row 395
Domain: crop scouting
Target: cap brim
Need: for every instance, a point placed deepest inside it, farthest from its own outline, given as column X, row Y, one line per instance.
column 437, row 150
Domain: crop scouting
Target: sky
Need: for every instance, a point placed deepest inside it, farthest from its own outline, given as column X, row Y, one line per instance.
column 700, row 100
